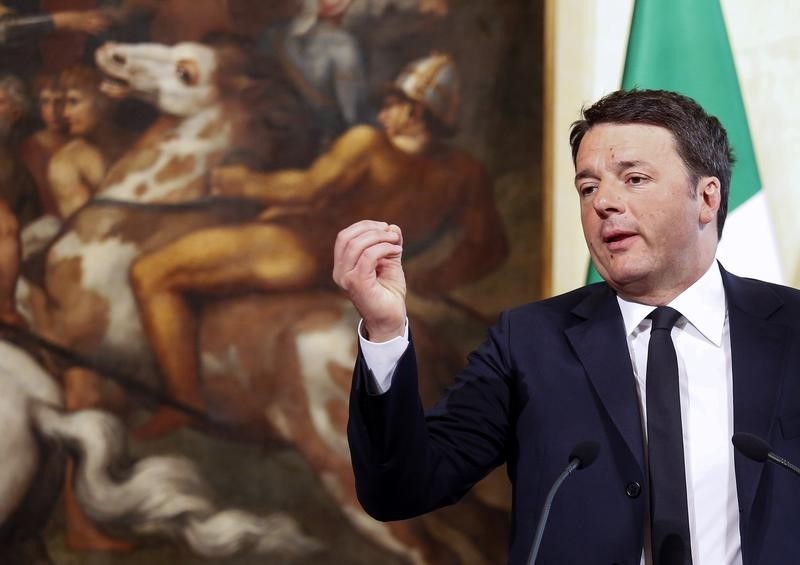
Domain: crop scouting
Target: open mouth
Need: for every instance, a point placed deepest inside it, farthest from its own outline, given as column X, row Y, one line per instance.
column 114, row 87
column 617, row 237
column 112, row 64
column 617, row 241
column 117, row 87
column 116, row 81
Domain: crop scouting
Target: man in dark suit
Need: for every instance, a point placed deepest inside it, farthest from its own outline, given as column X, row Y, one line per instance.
column 652, row 175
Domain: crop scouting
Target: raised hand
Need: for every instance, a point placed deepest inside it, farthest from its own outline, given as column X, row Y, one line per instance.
column 367, row 266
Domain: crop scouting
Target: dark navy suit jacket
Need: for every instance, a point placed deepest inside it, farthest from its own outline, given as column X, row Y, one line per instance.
column 557, row 372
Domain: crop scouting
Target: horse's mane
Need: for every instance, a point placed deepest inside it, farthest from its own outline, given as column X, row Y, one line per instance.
column 265, row 104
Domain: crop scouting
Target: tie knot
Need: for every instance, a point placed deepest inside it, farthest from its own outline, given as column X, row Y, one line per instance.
column 664, row 318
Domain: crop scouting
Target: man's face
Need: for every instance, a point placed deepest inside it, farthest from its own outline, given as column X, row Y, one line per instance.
column 80, row 111
column 51, row 109
column 398, row 116
column 391, row 113
column 646, row 234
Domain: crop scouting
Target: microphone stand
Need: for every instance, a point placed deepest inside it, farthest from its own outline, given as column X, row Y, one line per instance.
column 573, row 464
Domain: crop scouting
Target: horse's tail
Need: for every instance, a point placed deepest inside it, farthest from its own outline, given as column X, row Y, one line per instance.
column 159, row 495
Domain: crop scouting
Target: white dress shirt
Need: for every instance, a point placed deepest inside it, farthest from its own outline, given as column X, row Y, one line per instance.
column 703, row 346
column 382, row 358
column 702, row 343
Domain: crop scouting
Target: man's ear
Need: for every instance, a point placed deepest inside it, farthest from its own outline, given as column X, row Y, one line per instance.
column 709, row 193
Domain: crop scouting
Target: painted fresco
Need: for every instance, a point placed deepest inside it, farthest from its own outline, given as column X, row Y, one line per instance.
column 175, row 363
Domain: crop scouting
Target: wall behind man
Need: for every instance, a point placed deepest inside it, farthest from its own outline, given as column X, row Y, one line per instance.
column 586, row 47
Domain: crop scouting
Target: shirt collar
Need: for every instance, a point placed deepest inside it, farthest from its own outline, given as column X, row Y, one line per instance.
column 702, row 304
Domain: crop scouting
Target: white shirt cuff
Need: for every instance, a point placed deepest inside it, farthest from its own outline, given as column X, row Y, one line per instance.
column 382, row 358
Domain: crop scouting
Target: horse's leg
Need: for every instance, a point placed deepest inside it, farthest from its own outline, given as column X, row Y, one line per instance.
column 83, row 389
column 314, row 390
column 209, row 262
column 17, row 443
column 408, row 539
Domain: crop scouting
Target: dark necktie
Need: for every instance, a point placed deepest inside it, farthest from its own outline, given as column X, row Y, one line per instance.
column 668, row 507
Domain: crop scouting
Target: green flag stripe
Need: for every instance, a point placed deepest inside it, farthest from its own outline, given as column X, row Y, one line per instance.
column 682, row 45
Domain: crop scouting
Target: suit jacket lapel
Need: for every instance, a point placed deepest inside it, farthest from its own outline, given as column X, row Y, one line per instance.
column 599, row 342
column 758, row 348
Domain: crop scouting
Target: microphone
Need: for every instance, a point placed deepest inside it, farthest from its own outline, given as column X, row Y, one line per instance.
column 582, row 456
column 755, row 448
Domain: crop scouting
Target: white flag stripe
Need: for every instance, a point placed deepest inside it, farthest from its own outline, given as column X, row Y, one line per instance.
column 748, row 246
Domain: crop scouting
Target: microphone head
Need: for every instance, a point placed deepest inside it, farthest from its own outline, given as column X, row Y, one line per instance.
column 585, row 452
column 752, row 447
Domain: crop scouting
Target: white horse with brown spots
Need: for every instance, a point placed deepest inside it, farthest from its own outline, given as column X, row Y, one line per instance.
column 274, row 368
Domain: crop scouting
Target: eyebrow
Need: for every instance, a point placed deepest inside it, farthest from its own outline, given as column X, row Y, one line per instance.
column 618, row 166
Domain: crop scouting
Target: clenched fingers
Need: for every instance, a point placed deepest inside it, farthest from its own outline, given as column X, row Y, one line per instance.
column 353, row 241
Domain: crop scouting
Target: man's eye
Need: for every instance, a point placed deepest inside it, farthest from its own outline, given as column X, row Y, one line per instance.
column 587, row 190
column 636, row 180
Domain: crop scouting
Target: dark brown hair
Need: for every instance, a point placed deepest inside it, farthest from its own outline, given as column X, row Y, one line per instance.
column 700, row 139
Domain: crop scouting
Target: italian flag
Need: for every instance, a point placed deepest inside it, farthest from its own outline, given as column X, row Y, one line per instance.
column 682, row 45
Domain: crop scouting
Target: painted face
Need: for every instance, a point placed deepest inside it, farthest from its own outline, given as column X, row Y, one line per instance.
column 51, row 109
column 645, row 231
column 396, row 115
column 81, row 111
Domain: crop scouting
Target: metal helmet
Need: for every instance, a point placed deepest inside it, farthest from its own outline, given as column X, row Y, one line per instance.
column 433, row 82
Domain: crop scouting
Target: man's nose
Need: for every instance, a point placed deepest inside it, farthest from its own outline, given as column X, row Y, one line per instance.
column 608, row 200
